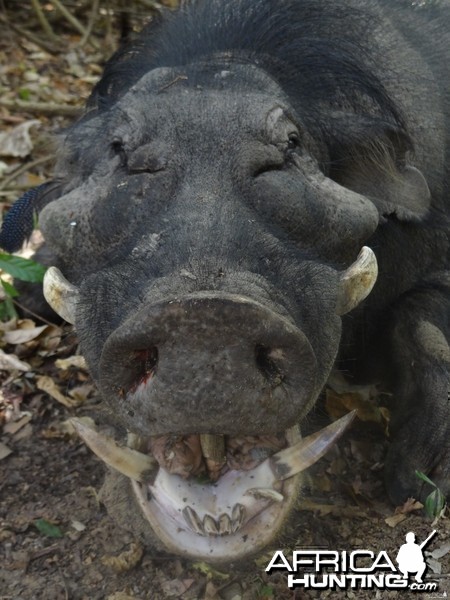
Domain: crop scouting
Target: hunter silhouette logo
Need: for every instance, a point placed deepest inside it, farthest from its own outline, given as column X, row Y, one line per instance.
column 410, row 557
column 356, row 569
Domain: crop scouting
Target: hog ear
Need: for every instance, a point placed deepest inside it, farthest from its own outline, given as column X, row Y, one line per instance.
column 18, row 224
column 377, row 167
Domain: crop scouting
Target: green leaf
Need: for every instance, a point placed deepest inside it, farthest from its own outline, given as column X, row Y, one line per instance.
column 24, row 269
column 423, row 477
column 266, row 592
column 9, row 289
column 24, row 94
column 7, row 310
column 48, row 529
column 434, row 503
column 209, row 571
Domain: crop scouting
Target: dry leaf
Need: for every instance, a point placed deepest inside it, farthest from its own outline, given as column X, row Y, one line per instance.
column 25, row 324
column 338, row 405
column 211, row 592
column 8, row 325
column 341, row 385
column 60, row 429
column 22, row 336
column 25, row 432
column 17, row 141
column 51, row 338
column 13, row 426
column 395, row 519
column 77, row 525
column 82, row 392
column 234, row 592
column 4, row 450
column 434, row 565
column 440, row 552
column 410, row 505
column 46, row 384
column 10, row 362
column 126, row 560
column 174, row 588
column 77, row 361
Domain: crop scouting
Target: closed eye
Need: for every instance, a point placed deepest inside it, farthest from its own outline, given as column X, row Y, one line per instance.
column 142, row 160
column 118, row 149
column 293, row 141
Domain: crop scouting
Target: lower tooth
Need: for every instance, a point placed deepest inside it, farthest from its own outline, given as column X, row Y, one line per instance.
column 193, row 520
column 237, row 517
column 210, row 526
column 224, row 524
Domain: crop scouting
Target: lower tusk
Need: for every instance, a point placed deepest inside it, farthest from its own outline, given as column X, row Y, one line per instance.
column 292, row 460
column 60, row 294
column 130, row 463
column 357, row 281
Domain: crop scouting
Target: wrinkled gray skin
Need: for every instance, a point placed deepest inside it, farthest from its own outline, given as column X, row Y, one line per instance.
column 208, row 214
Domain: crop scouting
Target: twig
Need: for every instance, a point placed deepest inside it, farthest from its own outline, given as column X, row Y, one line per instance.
column 92, row 17
column 32, row 313
column 52, row 49
column 24, row 168
column 73, row 21
column 43, row 108
column 151, row 4
column 108, row 34
column 43, row 552
column 43, row 21
column 13, row 191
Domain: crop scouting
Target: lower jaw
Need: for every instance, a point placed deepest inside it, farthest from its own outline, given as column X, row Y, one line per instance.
column 250, row 538
column 230, row 518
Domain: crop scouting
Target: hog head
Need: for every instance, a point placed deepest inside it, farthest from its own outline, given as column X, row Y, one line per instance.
column 210, row 260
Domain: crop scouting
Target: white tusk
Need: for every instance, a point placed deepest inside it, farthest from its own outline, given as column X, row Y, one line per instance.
column 131, row 463
column 60, row 294
column 357, row 281
column 293, row 459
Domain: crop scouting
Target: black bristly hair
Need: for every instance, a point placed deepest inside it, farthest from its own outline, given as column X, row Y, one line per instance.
column 315, row 50
column 18, row 224
column 318, row 51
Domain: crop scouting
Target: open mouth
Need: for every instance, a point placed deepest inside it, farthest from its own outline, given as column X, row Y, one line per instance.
column 211, row 497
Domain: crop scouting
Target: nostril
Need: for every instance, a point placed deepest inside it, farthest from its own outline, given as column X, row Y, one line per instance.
column 148, row 361
column 268, row 362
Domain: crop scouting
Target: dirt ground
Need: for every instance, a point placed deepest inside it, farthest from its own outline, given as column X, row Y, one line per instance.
column 56, row 539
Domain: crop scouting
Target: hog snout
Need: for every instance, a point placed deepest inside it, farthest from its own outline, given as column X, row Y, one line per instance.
column 208, row 363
